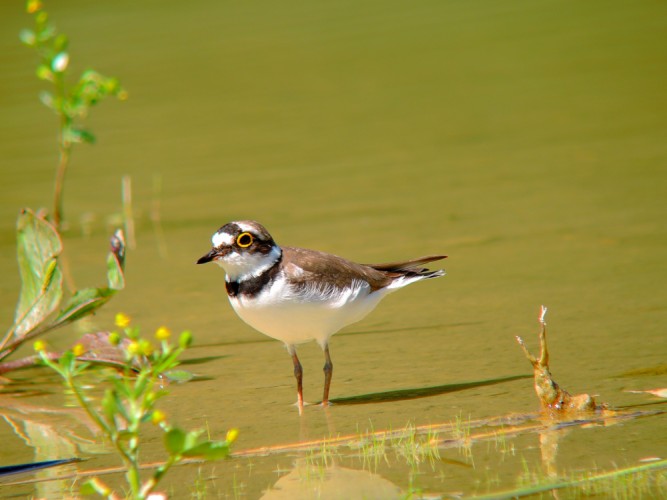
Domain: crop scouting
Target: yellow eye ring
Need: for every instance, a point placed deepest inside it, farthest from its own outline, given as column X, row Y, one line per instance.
column 244, row 240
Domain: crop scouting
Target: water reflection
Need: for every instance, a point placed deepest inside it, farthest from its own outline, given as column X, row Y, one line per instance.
column 308, row 480
column 52, row 434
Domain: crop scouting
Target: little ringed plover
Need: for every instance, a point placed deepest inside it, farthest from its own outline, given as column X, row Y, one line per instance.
column 296, row 295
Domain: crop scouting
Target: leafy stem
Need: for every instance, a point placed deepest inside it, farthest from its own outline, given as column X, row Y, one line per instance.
column 71, row 103
column 130, row 400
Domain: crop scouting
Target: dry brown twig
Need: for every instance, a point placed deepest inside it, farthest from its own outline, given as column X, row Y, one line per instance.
column 553, row 398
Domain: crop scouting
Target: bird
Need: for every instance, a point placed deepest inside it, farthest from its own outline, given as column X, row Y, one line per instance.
column 296, row 295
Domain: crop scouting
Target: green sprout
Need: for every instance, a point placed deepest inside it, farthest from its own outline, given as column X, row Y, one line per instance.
column 130, row 402
column 71, row 102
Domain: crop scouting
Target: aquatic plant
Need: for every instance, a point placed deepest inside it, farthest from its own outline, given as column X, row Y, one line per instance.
column 71, row 103
column 130, row 401
column 42, row 293
column 41, row 305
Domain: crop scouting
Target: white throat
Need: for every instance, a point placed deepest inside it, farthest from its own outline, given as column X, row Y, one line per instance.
column 241, row 266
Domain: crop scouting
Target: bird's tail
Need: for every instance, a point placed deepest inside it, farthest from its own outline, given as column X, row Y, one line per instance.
column 411, row 270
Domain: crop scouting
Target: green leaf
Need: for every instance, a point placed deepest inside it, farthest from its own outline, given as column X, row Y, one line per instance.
column 113, row 406
column 87, row 489
column 125, row 435
column 122, row 388
column 185, row 340
column 191, row 438
column 60, row 43
column 166, row 362
column 83, row 303
column 47, row 99
column 75, row 135
column 27, row 37
column 81, row 368
column 174, row 441
column 44, row 72
column 178, row 375
column 95, row 486
column 67, row 361
column 86, row 301
column 38, row 246
column 109, row 406
column 208, row 450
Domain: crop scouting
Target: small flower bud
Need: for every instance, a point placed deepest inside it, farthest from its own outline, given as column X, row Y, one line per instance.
column 39, row 346
column 232, row 434
column 158, row 417
column 133, row 348
column 33, row 6
column 146, row 347
column 44, row 72
column 185, row 340
column 78, row 350
column 163, row 333
column 122, row 320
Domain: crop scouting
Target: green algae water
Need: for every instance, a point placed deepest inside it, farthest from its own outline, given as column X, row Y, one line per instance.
column 527, row 141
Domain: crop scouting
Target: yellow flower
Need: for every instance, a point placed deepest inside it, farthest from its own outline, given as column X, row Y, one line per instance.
column 114, row 339
column 133, row 348
column 33, row 6
column 78, row 350
column 232, row 434
column 122, row 320
column 158, row 417
column 163, row 333
column 39, row 346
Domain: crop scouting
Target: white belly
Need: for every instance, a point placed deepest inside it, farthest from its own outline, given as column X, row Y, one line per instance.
column 294, row 318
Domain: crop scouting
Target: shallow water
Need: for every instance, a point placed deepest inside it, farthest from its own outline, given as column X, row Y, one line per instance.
column 527, row 142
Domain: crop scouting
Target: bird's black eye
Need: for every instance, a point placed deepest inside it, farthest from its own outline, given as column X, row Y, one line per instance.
column 244, row 240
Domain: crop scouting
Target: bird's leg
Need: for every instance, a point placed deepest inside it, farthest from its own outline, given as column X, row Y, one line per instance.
column 298, row 374
column 328, row 372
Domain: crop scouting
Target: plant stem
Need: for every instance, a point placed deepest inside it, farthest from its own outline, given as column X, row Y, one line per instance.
column 60, row 180
column 64, row 147
column 134, row 480
column 150, row 485
column 69, row 382
column 129, row 458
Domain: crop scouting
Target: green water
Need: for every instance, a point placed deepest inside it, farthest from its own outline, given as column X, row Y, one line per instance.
column 526, row 140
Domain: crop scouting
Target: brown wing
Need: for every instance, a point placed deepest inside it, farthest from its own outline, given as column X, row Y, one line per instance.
column 329, row 269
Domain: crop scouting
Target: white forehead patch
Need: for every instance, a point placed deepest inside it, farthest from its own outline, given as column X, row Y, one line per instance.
column 250, row 228
column 222, row 239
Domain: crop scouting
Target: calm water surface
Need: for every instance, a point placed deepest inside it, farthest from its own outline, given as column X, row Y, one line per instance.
column 526, row 141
